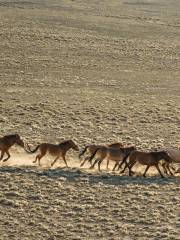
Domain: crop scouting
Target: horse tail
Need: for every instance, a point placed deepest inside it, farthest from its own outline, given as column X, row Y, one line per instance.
column 83, row 151
column 30, row 150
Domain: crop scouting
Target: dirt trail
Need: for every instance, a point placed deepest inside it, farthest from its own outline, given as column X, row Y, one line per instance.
column 21, row 159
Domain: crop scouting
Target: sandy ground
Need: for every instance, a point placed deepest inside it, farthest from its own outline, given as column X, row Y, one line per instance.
column 96, row 72
column 73, row 203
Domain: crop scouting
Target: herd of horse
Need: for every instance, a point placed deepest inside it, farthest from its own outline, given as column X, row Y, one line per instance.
column 117, row 152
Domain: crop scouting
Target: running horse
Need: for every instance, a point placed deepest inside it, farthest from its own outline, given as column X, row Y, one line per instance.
column 147, row 158
column 117, row 155
column 174, row 153
column 7, row 142
column 57, row 150
column 92, row 148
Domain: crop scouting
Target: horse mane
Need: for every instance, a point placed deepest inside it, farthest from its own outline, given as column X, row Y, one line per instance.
column 64, row 142
column 10, row 136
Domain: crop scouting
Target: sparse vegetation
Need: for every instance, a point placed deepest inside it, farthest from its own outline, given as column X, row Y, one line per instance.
column 95, row 72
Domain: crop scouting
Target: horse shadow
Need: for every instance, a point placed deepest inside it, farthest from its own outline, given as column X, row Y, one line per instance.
column 81, row 175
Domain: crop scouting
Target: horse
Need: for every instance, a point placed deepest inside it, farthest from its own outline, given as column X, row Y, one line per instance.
column 175, row 155
column 6, row 142
column 93, row 148
column 147, row 158
column 58, row 150
column 110, row 153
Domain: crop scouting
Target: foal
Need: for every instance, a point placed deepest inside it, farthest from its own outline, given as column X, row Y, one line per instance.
column 149, row 159
column 108, row 153
column 93, row 148
column 7, row 142
column 58, row 150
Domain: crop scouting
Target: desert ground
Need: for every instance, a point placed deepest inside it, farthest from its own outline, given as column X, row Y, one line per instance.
column 95, row 72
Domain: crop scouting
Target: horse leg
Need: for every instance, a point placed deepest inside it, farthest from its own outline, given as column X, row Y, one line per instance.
column 164, row 168
column 120, row 165
column 39, row 162
column 63, row 157
column 124, row 161
column 99, row 163
column 55, row 160
column 86, row 159
column 168, row 167
column 173, row 168
column 177, row 170
column 127, row 165
column 90, row 160
column 38, row 157
column 144, row 175
column 157, row 167
column 2, row 154
column 83, row 162
column 115, row 165
column 7, row 152
column 92, row 166
column 107, row 164
column 130, row 167
column 124, row 168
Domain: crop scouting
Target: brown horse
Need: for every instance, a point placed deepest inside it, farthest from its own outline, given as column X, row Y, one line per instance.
column 8, row 141
column 93, row 148
column 58, row 150
column 108, row 153
column 147, row 158
column 174, row 153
